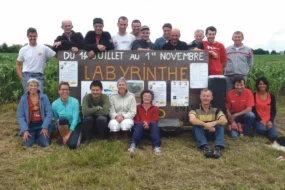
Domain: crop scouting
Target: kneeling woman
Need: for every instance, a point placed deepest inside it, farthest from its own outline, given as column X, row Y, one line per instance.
column 264, row 110
column 34, row 116
column 66, row 114
column 146, row 119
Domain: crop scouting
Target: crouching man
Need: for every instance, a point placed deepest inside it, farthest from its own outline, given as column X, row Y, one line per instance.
column 208, row 125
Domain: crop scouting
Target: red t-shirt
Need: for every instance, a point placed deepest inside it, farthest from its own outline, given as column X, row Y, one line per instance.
column 215, row 65
column 149, row 115
column 97, row 39
column 238, row 103
column 34, row 111
column 263, row 107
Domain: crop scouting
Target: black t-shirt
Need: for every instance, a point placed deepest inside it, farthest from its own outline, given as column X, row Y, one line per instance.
column 180, row 46
column 143, row 44
column 192, row 45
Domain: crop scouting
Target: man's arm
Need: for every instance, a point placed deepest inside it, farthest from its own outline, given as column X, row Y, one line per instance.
column 250, row 60
column 109, row 43
column 195, row 121
column 223, row 55
column 86, row 110
column 106, row 106
column 248, row 109
column 89, row 43
column 19, row 69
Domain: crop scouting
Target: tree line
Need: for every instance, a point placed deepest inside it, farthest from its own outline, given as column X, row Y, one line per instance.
column 4, row 48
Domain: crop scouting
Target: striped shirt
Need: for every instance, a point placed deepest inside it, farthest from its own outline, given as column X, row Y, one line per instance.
column 240, row 60
column 212, row 115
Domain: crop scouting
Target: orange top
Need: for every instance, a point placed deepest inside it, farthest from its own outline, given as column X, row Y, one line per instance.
column 34, row 111
column 238, row 103
column 263, row 107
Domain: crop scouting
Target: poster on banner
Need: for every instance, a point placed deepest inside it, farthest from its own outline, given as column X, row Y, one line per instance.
column 159, row 90
column 68, row 72
column 179, row 93
column 109, row 87
column 136, row 87
column 199, row 75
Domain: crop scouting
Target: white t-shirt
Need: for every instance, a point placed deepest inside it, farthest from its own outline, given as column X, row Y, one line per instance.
column 34, row 58
column 123, row 42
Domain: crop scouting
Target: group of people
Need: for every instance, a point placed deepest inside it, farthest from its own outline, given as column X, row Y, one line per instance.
column 119, row 111
column 100, row 114
column 232, row 61
column 244, row 110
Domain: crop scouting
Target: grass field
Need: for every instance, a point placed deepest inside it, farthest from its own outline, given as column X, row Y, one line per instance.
column 246, row 163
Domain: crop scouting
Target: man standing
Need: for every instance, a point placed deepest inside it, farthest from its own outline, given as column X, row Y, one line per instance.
column 33, row 58
column 159, row 42
column 217, row 52
column 95, row 109
column 175, row 43
column 136, row 29
column 69, row 40
column 208, row 125
column 123, row 40
column 97, row 40
column 239, row 105
column 144, row 43
column 240, row 59
column 199, row 36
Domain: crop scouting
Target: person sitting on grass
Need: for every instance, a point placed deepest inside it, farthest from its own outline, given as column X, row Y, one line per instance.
column 146, row 119
column 34, row 116
column 239, row 105
column 208, row 125
column 264, row 110
column 66, row 114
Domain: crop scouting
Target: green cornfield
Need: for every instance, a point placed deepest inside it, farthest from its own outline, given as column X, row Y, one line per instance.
column 11, row 87
column 270, row 66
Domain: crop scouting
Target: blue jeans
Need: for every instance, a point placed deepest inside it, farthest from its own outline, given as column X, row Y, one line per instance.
column 154, row 131
column 38, row 76
column 247, row 120
column 35, row 133
column 202, row 136
column 260, row 129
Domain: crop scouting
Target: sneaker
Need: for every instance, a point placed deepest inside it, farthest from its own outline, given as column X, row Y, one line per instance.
column 207, row 151
column 132, row 148
column 157, row 149
column 239, row 127
column 217, row 153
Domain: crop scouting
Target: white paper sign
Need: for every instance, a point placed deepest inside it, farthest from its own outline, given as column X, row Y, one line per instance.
column 179, row 93
column 68, row 72
column 199, row 75
column 159, row 90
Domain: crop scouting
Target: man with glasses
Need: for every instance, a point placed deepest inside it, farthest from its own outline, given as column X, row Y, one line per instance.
column 69, row 40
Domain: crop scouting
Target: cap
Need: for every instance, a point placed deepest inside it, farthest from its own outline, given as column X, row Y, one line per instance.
column 98, row 20
column 144, row 27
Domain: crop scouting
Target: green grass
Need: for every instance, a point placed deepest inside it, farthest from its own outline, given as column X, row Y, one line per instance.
column 246, row 163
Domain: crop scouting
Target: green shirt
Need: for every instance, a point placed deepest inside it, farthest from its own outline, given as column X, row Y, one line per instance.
column 95, row 107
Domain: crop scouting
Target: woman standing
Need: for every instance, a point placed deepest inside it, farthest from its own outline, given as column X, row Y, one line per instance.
column 34, row 116
column 66, row 114
column 264, row 110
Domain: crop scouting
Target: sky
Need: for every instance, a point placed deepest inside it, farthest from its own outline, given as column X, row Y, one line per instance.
column 262, row 22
